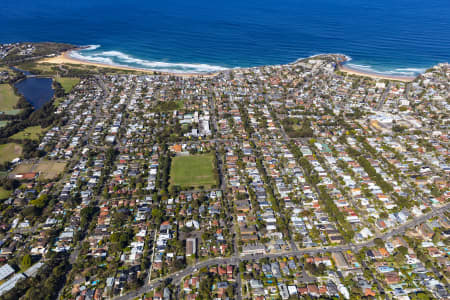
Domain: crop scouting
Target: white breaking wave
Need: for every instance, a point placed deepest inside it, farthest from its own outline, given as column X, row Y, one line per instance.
column 417, row 70
column 395, row 72
column 92, row 58
column 348, row 58
column 92, row 47
column 118, row 58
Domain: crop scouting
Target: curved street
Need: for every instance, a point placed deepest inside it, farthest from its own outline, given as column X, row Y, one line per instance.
column 235, row 260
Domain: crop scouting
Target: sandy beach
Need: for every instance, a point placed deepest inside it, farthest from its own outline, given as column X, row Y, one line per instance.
column 348, row 70
column 65, row 58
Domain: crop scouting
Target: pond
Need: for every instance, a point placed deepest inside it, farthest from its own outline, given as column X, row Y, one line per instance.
column 36, row 90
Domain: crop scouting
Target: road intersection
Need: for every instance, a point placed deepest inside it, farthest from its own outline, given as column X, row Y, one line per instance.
column 236, row 259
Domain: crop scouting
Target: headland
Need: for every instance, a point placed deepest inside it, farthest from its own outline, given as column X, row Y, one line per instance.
column 67, row 58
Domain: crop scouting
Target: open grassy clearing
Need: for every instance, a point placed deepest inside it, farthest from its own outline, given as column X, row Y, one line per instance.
column 3, row 123
column 30, row 133
column 74, row 70
column 68, row 83
column 4, row 194
column 13, row 112
column 42, row 69
column 8, row 99
column 9, row 151
column 166, row 106
column 47, row 169
column 193, row 171
column 58, row 101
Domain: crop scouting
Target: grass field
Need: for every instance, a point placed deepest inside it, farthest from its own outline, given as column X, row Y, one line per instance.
column 4, row 194
column 168, row 106
column 30, row 133
column 9, row 151
column 193, row 171
column 44, row 68
column 7, row 98
column 47, row 169
column 68, row 83
column 3, row 123
column 13, row 112
column 58, row 101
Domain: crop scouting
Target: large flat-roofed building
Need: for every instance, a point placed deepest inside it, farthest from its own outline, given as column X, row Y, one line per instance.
column 5, row 271
column 191, row 246
column 253, row 249
column 339, row 260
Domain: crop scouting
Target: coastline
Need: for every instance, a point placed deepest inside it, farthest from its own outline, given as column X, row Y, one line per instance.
column 66, row 58
column 351, row 71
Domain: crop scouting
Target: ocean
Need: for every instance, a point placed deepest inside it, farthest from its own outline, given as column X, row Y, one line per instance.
column 395, row 37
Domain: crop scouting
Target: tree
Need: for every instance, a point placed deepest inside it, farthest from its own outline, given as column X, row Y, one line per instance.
column 9, row 184
column 26, row 261
column 157, row 214
column 242, row 267
column 31, row 211
column 379, row 243
column 205, row 287
column 384, row 215
column 40, row 202
column 422, row 295
column 403, row 250
column 437, row 237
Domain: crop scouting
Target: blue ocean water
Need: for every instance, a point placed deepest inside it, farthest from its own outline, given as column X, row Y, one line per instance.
column 400, row 37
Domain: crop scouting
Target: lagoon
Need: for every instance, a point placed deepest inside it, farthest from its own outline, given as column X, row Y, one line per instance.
column 36, row 90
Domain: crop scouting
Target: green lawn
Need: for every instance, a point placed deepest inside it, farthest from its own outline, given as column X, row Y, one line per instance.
column 166, row 106
column 58, row 101
column 7, row 98
column 193, row 171
column 4, row 194
column 13, row 112
column 29, row 133
column 47, row 169
column 9, row 151
column 3, row 123
column 68, row 83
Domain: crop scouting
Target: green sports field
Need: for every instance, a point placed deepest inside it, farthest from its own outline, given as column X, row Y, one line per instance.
column 68, row 83
column 193, row 171
column 29, row 133
column 47, row 169
column 9, row 151
column 7, row 98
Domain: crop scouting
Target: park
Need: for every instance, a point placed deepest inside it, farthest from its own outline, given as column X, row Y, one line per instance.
column 193, row 171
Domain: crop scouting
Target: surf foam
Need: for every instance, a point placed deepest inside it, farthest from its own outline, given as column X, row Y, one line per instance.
column 394, row 72
column 118, row 58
